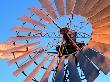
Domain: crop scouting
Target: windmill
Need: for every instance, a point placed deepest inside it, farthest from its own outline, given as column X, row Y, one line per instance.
column 64, row 54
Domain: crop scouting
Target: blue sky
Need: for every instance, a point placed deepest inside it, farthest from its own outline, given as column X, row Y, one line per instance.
column 9, row 12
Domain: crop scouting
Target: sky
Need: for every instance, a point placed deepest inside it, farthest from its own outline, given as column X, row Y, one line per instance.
column 9, row 12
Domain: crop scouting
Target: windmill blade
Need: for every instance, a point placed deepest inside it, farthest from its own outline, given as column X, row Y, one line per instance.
column 102, row 14
column 7, row 46
column 102, row 30
column 73, row 72
column 23, row 67
column 60, row 6
column 100, row 5
column 49, row 8
column 10, row 56
column 20, row 28
column 102, row 38
column 24, row 55
column 78, row 6
column 87, row 7
column 69, row 7
column 23, row 38
column 60, row 71
column 48, row 71
column 89, row 70
column 102, row 22
column 32, row 21
column 20, row 47
column 97, row 58
column 38, row 12
column 36, row 70
column 101, row 47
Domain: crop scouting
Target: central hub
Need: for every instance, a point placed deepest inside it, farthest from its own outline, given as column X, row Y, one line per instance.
column 69, row 36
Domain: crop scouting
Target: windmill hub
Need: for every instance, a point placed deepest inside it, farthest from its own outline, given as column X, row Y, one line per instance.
column 69, row 36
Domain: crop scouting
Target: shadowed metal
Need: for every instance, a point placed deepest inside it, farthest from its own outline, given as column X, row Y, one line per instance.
column 97, row 58
column 101, row 47
column 60, row 71
column 73, row 72
column 89, row 70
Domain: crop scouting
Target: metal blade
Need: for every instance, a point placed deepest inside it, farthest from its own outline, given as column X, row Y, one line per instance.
column 73, row 72
column 48, row 71
column 102, row 30
column 102, row 14
column 69, row 7
column 20, row 28
column 23, row 38
column 89, row 70
column 7, row 46
column 100, row 5
column 38, row 12
column 102, row 38
column 36, row 70
column 87, row 7
column 60, row 6
column 97, row 58
column 32, row 21
column 49, row 8
column 23, row 67
column 10, row 56
column 24, row 55
column 101, row 47
column 60, row 71
column 78, row 6
column 102, row 22
column 20, row 47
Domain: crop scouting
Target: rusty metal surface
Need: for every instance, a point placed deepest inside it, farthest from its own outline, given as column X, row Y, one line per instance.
column 32, row 21
column 89, row 70
column 102, row 38
column 73, row 71
column 101, row 47
column 20, row 28
column 98, row 59
column 103, row 22
column 42, row 14
column 49, row 8
column 60, row 6
column 36, row 70
column 24, row 55
column 87, row 7
column 27, row 64
column 102, row 14
column 100, row 5
column 78, row 6
column 69, row 7
column 102, row 30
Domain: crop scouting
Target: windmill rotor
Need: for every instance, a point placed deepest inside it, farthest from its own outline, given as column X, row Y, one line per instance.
column 59, row 48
